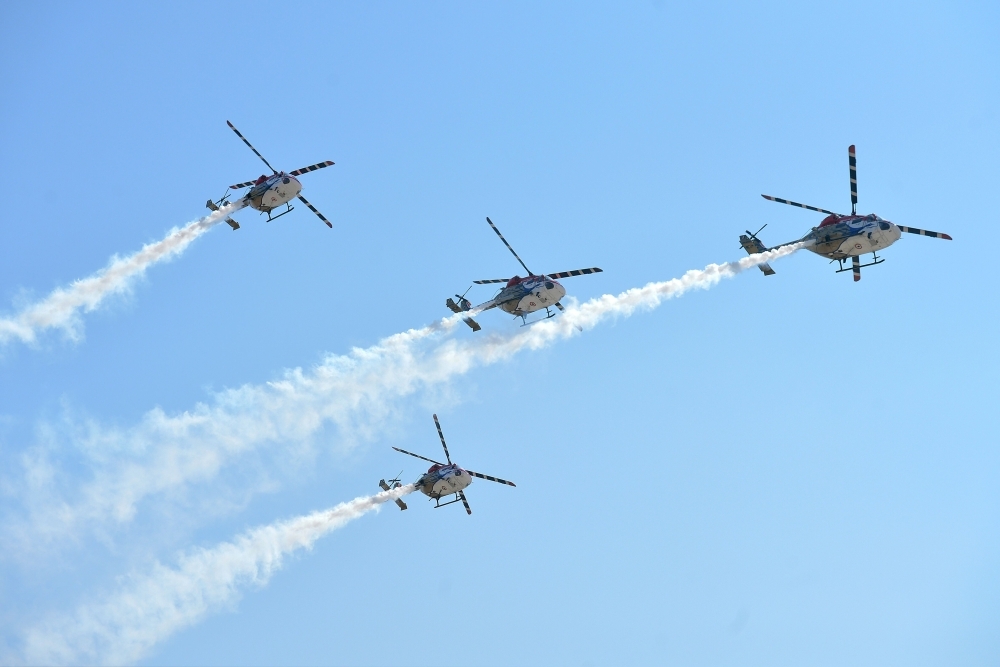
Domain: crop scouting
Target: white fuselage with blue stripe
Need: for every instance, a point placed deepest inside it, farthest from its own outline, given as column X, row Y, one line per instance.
column 840, row 237
column 273, row 191
column 443, row 480
column 529, row 294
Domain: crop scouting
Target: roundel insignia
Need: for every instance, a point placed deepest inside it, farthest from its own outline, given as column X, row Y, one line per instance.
column 858, row 246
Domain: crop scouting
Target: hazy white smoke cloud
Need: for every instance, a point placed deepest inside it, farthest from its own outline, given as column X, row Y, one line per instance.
column 61, row 309
column 358, row 393
column 166, row 453
column 148, row 608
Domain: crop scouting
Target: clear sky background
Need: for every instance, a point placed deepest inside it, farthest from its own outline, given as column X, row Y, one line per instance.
column 778, row 471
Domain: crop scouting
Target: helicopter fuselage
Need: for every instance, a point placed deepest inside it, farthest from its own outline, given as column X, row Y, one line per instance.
column 842, row 236
column 526, row 295
column 270, row 192
column 443, row 480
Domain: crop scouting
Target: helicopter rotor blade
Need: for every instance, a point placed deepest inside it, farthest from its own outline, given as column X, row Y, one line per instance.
column 577, row 272
column 852, row 160
column 233, row 127
column 318, row 214
column 561, row 307
column 487, row 282
column 490, row 478
column 461, row 494
column 443, row 443
column 240, row 186
column 508, row 245
column 924, row 232
column 856, row 265
column 312, row 167
column 403, row 451
column 795, row 203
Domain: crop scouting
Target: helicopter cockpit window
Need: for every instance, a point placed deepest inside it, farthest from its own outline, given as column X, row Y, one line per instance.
column 884, row 226
column 286, row 180
column 550, row 286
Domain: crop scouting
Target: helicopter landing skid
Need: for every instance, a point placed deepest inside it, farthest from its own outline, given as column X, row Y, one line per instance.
column 286, row 212
column 548, row 315
column 875, row 260
column 438, row 502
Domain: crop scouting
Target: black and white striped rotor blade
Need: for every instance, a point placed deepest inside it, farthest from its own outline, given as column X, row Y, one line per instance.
column 251, row 146
column 441, row 435
column 312, row 167
column 561, row 307
column 923, row 232
column 856, row 266
column 403, row 451
column 461, row 494
column 490, row 478
column 795, row 203
column 318, row 214
column 508, row 245
column 240, row 186
column 853, row 162
column 487, row 282
column 578, row 272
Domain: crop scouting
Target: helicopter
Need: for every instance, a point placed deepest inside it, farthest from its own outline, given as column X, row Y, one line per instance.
column 442, row 479
column 270, row 192
column 393, row 484
column 841, row 237
column 520, row 296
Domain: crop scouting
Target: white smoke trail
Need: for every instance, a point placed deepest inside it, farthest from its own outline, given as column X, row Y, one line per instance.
column 165, row 453
column 591, row 313
column 61, row 308
column 358, row 393
column 149, row 608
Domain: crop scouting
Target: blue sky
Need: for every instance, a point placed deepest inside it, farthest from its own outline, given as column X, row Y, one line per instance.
column 774, row 471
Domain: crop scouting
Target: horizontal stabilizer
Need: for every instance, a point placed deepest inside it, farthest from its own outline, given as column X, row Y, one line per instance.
column 472, row 323
column 754, row 246
column 453, row 306
column 401, row 504
column 385, row 487
column 229, row 221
